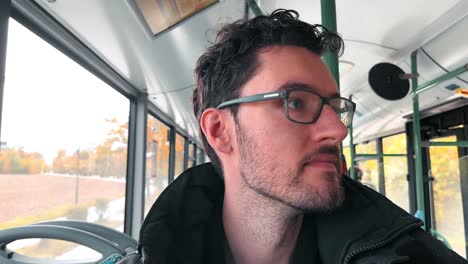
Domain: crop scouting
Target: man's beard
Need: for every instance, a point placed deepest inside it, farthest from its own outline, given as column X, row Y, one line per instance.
column 264, row 175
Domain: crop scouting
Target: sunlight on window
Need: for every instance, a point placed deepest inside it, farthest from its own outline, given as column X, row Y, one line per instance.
column 63, row 155
column 396, row 170
column 448, row 206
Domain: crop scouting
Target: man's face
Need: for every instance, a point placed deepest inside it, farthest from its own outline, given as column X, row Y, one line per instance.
column 296, row 164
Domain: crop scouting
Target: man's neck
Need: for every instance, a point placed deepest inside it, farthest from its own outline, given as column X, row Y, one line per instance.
column 258, row 229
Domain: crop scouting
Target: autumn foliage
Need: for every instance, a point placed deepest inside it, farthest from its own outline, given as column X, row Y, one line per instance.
column 108, row 158
column 15, row 161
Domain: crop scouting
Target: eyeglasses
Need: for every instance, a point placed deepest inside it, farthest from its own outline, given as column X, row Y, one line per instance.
column 302, row 106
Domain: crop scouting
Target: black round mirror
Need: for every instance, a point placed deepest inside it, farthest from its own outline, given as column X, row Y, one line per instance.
column 384, row 79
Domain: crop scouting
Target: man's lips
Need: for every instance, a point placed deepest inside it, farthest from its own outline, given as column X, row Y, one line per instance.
column 323, row 161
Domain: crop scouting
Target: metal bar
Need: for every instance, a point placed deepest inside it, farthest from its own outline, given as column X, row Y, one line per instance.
column 380, row 155
column 194, row 154
column 447, row 76
column 417, row 143
column 255, row 8
column 136, row 166
column 352, row 150
column 186, row 154
column 380, row 165
column 463, row 168
column 328, row 8
column 410, row 165
column 172, row 153
column 202, row 157
column 446, row 144
column 129, row 186
column 4, row 18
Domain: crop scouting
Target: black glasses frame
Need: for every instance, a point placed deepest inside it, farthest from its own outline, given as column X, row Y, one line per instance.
column 284, row 94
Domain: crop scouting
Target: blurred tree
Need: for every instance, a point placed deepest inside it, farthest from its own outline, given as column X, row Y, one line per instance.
column 17, row 161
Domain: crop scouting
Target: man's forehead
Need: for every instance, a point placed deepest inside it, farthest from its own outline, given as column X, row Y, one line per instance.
column 289, row 67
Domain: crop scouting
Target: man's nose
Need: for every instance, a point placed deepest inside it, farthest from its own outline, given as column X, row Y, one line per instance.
column 329, row 126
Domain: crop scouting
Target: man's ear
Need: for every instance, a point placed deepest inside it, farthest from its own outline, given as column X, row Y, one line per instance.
column 213, row 122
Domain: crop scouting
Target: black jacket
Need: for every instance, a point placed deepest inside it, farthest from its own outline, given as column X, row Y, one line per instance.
column 185, row 226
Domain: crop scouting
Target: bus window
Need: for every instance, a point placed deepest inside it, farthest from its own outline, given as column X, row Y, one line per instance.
column 347, row 154
column 370, row 173
column 192, row 158
column 367, row 147
column 179, row 156
column 396, row 170
column 369, row 167
column 63, row 156
column 157, row 160
column 446, row 190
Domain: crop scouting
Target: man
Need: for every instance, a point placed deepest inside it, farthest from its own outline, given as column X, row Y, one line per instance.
column 271, row 120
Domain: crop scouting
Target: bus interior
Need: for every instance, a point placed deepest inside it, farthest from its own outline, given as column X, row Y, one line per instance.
column 96, row 117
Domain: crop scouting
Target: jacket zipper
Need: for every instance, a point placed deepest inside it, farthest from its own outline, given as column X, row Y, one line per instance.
column 381, row 243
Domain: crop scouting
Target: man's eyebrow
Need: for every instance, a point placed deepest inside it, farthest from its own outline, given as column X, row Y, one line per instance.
column 290, row 85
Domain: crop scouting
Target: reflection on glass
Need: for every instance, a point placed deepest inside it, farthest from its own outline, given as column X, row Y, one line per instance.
column 368, row 173
column 157, row 160
column 63, row 155
column 179, row 156
column 448, row 207
column 367, row 148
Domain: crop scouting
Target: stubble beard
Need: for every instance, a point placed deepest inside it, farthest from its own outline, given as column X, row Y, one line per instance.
column 267, row 178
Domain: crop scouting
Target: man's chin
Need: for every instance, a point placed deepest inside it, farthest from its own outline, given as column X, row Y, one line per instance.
column 325, row 195
column 327, row 204
column 322, row 179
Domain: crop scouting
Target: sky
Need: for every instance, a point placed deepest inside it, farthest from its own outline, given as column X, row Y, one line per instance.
column 50, row 102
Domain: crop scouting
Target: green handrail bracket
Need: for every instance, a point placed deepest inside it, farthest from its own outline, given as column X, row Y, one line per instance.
column 463, row 144
column 447, row 76
column 380, row 155
column 362, row 157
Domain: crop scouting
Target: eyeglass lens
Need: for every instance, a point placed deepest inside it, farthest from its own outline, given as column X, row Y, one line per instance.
column 305, row 107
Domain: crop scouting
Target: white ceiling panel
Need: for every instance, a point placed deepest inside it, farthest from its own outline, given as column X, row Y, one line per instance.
column 374, row 31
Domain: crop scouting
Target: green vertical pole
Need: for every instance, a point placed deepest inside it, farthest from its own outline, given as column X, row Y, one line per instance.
column 420, row 213
column 328, row 8
column 255, row 8
column 352, row 152
column 329, row 21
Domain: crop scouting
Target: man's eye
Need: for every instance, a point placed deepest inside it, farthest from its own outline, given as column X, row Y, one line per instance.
column 295, row 104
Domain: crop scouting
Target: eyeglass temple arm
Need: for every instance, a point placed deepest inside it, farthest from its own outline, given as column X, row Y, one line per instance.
column 253, row 98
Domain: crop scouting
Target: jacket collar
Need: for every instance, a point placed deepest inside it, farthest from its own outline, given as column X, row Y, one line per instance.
column 365, row 219
column 196, row 196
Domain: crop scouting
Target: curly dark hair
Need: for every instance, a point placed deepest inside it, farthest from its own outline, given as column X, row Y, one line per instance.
column 231, row 61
